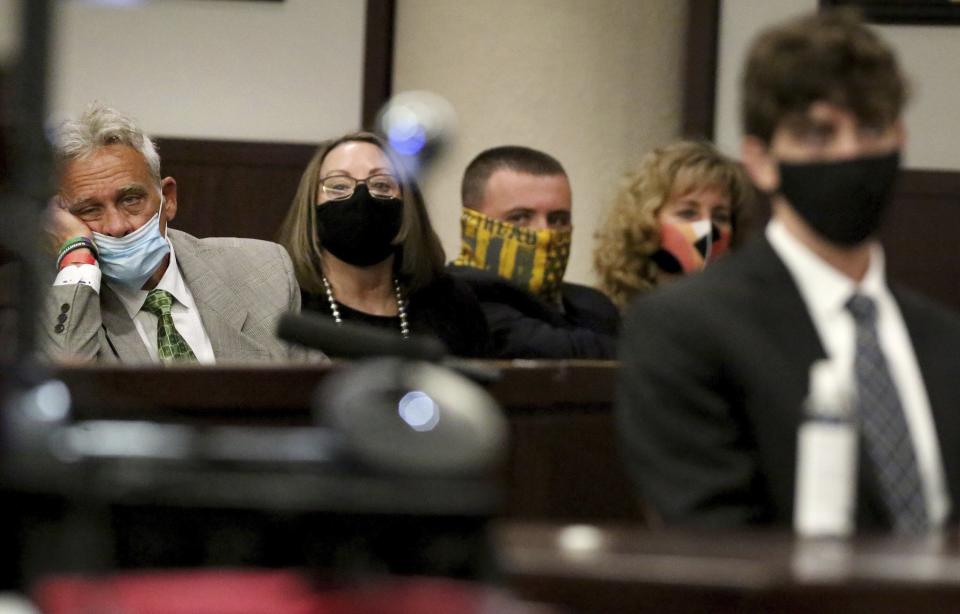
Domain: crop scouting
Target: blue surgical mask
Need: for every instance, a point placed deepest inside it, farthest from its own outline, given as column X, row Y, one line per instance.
column 131, row 260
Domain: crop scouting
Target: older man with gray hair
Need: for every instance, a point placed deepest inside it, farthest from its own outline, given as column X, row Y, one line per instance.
column 168, row 296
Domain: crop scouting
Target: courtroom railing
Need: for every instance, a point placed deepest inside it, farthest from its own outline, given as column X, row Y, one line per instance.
column 563, row 462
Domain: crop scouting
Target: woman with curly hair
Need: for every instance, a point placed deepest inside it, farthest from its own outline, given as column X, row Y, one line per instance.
column 675, row 213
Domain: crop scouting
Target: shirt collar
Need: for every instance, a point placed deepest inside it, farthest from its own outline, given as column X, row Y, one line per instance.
column 172, row 282
column 825, row 290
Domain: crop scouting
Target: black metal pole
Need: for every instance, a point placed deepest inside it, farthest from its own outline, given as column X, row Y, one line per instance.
column 31, row 169
column 25, row 191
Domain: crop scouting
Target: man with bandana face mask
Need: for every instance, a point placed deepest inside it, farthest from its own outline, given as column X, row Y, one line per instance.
column 515, row 241
column 166, row 296
column 716, row 367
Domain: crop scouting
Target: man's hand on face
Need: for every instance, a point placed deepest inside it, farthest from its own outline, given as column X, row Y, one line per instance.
column 62, row 225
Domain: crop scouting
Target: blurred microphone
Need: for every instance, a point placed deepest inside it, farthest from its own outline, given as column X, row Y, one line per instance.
column 348, row 340
column 413, row 418
column 418, row 125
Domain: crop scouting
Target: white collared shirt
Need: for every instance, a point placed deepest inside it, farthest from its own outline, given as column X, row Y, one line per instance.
column 825, row 292
column 186, row 317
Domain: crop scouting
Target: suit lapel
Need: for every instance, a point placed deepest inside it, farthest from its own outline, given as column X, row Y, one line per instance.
column 122, row 335
column 221, row 310
column 780, row 306
column 939, row 379
column 783, row 343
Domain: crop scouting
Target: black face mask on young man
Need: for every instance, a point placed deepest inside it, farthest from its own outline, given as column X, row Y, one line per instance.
column 360, row 230
column 843, row 200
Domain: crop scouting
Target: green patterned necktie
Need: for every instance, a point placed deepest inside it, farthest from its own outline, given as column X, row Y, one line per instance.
column 170, row 345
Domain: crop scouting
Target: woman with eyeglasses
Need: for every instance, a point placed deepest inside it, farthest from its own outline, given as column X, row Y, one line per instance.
column 364, row 250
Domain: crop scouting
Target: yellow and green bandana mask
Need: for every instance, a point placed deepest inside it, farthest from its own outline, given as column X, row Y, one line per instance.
column 535, row 260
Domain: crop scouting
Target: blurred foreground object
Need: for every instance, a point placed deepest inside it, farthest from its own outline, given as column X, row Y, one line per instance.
column 419, row 125
column 397, row 477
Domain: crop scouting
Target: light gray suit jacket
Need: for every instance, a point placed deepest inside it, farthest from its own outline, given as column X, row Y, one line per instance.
column 241, row 288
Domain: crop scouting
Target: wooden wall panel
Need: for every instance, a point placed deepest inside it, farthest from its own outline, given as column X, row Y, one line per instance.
column 920, row 234
column 233, row 189
column 378, row 58
column 700, row 68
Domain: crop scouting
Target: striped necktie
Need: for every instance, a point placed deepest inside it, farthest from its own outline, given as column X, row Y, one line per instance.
column 171, row 346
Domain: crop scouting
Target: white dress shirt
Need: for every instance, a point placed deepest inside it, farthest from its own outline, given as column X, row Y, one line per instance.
column 186, row 318
column 825, row 292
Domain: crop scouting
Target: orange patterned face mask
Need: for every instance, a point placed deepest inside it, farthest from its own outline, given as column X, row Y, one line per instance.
column 685, row 248
column 535, row 260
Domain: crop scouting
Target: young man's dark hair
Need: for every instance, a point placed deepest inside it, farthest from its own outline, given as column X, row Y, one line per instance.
column 514, row 157
column 830, row 57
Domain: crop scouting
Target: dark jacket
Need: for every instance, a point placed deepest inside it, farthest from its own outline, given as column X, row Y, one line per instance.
column 446, row 309
column 714, row 372
column 524, row 326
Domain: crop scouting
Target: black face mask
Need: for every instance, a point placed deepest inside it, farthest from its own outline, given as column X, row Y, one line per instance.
column 843, row 201
column 359, row 230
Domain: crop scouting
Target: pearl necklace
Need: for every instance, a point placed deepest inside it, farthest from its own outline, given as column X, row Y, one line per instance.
column 397, row 292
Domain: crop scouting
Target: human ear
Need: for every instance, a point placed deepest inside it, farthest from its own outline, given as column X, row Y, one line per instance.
column 168, row 187
column 901, row 131
column 760, row 165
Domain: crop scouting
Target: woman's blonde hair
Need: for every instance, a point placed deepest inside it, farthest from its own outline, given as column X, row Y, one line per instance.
column 631, row 234
column 420, row 257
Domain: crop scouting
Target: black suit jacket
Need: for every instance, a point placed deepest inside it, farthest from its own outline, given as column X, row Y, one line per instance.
column 524, row 326
column 714, row 373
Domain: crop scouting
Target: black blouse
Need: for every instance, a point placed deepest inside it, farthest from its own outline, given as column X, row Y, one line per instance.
column 446, row 309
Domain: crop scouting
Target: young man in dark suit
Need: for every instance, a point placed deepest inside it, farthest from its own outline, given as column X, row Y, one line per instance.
column 716, row 367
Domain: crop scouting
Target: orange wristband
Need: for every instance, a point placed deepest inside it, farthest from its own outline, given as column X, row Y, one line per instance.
column 79, row 256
